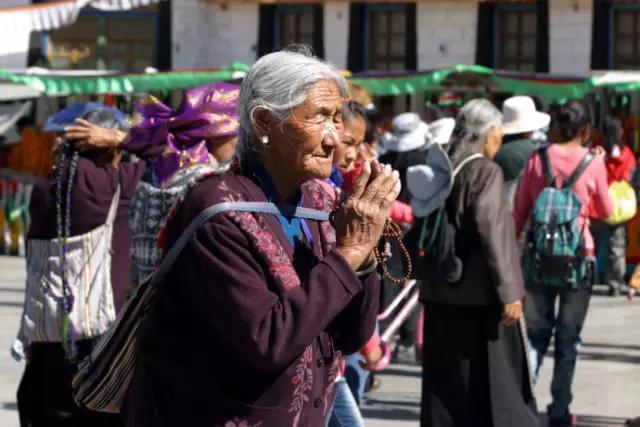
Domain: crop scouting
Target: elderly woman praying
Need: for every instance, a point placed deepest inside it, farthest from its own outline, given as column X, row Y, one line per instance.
column 253, row 317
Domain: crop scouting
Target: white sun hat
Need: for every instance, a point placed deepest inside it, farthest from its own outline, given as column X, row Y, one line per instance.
column 440, row 131
column 408, row 133
column 520, row 116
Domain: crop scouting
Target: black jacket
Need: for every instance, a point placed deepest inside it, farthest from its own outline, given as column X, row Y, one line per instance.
column 401, row 161
column 485, row 242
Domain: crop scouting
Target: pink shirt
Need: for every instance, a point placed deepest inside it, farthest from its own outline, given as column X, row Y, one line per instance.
column 591, row 187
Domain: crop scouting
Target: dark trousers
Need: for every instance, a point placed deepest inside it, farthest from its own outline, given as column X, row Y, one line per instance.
column 45, row 396
column 474, row 370
column 616, row 251
column 565, row 326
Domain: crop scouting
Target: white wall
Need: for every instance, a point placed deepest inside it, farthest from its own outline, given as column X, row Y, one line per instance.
column 570, row 26
column 446, row 33
column 205, row 34
column 14, row 38
column 336, row 33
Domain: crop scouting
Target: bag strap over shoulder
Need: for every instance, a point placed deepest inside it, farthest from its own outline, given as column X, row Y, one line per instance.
column 584, row 163
column 467, row 160
column 111, row 216
column 211, row 211
column 546, row 166
column 569, row 182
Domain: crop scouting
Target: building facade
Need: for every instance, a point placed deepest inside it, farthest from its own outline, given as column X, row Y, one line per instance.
column 558, row 36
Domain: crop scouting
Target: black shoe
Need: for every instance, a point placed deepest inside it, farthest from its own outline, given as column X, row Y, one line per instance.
column 614, row 291
column 567, row 420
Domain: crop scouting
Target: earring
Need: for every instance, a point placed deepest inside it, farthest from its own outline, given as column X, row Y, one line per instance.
column 265, row 140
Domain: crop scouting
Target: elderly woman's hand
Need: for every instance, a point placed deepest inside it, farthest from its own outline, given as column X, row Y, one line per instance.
column 360, row 219
column 511, row 313
column 89, row 135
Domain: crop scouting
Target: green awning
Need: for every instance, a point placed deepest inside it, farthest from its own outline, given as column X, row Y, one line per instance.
column 55, row 85
column 549, row 87
column 418, row 82
column 477, row 77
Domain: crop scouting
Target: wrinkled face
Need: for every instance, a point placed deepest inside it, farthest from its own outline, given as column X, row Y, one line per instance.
column 304, row 144
column 494, row 142
column 346, row 152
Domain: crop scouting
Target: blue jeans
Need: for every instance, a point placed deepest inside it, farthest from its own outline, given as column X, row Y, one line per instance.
column 542, row 320
column 345, row 412
column 356, row 377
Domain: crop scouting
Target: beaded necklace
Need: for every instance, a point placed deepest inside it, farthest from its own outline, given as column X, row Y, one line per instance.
column 393, row 231
column 63, row 231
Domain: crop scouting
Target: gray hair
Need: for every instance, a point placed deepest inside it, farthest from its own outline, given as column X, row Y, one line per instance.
column 474, row 121
column 278, row 82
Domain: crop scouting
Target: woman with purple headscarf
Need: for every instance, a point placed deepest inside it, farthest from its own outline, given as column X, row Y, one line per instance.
column 195, row 141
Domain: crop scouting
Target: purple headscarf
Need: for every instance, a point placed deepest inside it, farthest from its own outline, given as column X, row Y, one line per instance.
column 207, row 112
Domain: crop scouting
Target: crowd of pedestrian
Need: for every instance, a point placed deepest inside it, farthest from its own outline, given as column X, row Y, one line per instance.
column 284, row 219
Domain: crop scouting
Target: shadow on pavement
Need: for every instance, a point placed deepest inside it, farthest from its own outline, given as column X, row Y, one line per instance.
column 11, row 304
column 609, row 357
column 630, row 347
column 10, row 406
column 397, row 414
column 402, row 372
column 11, row 290
column 390, row 402
column 592, row 421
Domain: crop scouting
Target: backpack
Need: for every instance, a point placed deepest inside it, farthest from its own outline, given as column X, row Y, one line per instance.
column 434, row 240
column 556, row 254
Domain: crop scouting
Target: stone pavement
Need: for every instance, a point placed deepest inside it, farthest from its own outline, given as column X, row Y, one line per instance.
column 607, row 386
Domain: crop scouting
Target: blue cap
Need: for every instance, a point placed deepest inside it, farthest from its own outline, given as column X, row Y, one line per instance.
column 68, row 116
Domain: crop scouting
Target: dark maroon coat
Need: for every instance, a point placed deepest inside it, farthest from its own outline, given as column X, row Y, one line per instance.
column 235, row 338
column 91, row 197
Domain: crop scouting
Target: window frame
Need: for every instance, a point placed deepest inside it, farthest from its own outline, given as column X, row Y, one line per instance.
column 617, row 7
column 391, row 7
column 290, row 8
column 510, row 7
column 102, row 17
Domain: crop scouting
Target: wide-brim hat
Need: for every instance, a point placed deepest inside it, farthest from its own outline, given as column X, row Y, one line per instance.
column 408, row 133
column 430, row 184
column 68, row 116
column 519, row 115
column 440, row 131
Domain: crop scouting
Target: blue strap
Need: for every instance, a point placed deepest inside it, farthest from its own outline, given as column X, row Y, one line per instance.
column 211, row 211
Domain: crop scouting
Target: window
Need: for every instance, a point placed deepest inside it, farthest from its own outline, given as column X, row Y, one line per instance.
column 282, row 25
column 294, row 24
column 129, row 42
column 386, row 37
column 626, row 38
column 516, row 33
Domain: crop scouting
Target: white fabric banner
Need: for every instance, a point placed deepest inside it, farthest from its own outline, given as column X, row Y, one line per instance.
column 17, row 23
